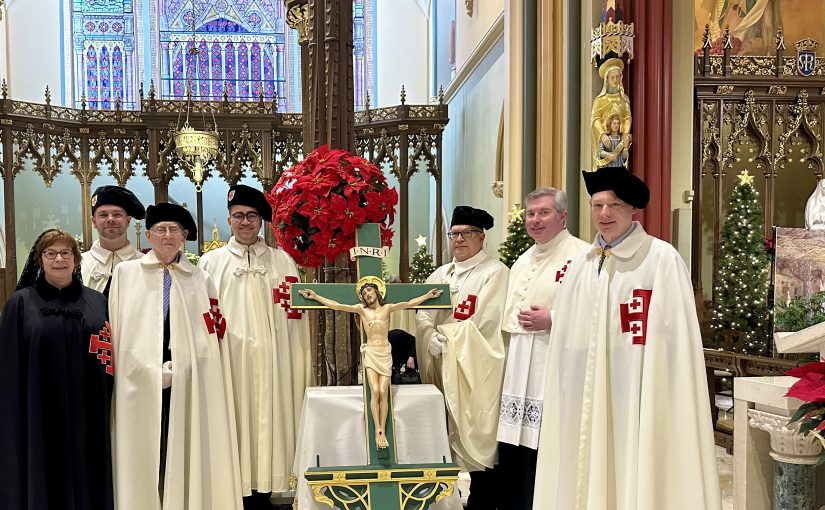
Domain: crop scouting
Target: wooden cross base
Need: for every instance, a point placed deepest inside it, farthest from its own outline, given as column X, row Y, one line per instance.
column 401, row 487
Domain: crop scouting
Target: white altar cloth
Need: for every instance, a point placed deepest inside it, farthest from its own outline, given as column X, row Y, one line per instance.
column 332, row 426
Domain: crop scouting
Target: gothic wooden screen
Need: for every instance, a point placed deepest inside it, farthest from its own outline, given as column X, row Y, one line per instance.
column 755, row 113
column 78, row 146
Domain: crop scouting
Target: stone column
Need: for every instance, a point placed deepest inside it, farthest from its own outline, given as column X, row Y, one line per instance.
column 796, row 455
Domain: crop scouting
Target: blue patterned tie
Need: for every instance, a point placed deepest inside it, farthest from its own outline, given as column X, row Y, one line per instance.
column 167, row 284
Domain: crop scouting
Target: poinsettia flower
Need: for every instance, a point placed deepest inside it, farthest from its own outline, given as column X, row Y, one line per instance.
column 292, row 232
column 315, row 212
column 353, row 185
column 319, row 202
column 346, row 213
column 375, row 206
column 320, row 183
column 312, row 159
column 386, row 236
column 328, row 245
column 389, row 198
column 811, row 384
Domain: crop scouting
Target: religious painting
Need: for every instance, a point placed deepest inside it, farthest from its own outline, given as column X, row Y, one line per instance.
column 799, row 277
column 753, row 24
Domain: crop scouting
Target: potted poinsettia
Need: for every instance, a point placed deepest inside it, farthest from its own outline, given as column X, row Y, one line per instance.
column 810, row 388
column 319, row 203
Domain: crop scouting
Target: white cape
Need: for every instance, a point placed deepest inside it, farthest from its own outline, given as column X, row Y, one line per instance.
column 626, row 418
column 471, row 368
column 270, row 352
column 202, row 470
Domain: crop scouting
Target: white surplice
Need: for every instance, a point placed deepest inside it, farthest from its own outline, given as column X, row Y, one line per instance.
column 471, row 368
column 534, row 278
column 270, row 351
column 626, row 421
column 202, row 471
column 97, row 264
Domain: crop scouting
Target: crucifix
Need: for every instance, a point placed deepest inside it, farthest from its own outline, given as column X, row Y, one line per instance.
column 381, row 487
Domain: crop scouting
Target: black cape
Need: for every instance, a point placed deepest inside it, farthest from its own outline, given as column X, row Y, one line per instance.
column 55, row 450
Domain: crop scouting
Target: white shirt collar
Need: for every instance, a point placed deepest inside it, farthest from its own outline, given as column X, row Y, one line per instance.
column 466, row 265
column 151, row 261
column 552, row 244
column 103, row 255
column 239, row 249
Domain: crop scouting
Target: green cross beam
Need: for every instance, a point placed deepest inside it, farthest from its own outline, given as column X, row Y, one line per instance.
column 383, row 483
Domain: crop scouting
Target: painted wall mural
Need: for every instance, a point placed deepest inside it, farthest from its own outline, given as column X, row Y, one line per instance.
column 754, row 23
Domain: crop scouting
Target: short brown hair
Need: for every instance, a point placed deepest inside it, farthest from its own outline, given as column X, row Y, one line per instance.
column 53, row 237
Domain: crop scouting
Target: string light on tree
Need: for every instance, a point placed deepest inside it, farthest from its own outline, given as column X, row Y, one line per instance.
column 742, row 278
column 517, row 241
column 422, row 263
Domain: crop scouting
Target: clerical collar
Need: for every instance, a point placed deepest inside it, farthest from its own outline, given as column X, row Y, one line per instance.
column 240, row 249
column 470, row 263
column 552, row 244
column 102, row 254
column 49, row 292
column 621, row 238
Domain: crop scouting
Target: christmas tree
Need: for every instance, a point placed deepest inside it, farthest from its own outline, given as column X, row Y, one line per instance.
column 517, row 241
column 422, row 263
column 741, row 283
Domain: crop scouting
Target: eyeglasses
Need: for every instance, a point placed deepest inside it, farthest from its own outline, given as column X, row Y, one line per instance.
column 251, row 217
column 466, row 234
column 52, row 254
column 162, row 231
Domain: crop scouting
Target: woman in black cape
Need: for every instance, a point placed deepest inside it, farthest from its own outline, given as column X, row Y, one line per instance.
column 56, row 374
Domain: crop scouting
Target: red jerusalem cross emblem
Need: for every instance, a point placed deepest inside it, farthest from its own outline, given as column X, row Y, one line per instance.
column 634, row 315
column 99, row 344
column 281, row 296
column 215, row 323
column 466, row 308
column 561, row 272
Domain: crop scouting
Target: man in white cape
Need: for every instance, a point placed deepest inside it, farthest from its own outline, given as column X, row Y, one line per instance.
column 461, row 350
column 534, row 279
column 174, row 443
column 269, row 344
column 626, row 422
column 113, row 208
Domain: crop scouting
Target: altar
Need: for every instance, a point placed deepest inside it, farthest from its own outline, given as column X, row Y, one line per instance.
column 332, row 432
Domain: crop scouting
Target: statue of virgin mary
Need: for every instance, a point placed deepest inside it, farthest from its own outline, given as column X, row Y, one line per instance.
column 611, row 102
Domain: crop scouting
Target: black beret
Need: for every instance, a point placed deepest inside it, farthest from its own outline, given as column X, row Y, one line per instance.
column 241, row 194
column 466, row 215
column 620, row 181
column 172, row 212
column 121, row 197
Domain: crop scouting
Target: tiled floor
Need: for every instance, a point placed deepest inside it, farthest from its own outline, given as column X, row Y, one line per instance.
column 724, row 465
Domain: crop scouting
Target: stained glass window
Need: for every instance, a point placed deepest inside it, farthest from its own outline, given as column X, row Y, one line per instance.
column 102, row 55
column 244, row 49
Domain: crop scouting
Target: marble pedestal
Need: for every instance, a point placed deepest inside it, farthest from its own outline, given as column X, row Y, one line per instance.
column 766, row 452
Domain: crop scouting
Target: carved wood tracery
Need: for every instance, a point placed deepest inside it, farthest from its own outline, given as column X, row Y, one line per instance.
column 130, row 143
column 757, row 113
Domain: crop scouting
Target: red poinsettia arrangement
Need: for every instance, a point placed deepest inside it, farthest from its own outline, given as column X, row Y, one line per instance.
column 318, row 203
column 810, row 388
